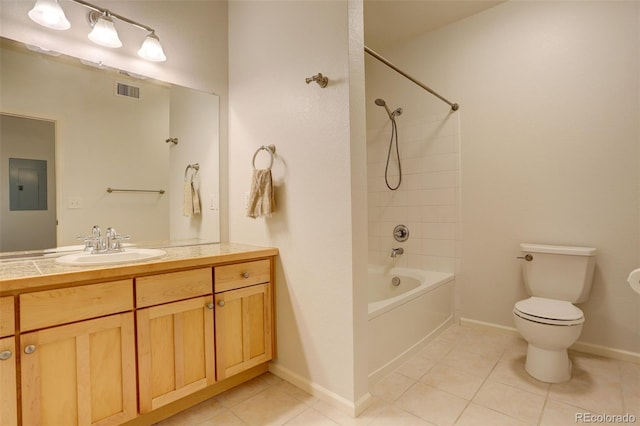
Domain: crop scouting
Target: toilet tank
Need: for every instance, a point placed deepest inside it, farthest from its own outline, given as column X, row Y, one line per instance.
column 559, row 272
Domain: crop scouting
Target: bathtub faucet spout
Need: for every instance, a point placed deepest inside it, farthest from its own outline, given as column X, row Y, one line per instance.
column 396, row 251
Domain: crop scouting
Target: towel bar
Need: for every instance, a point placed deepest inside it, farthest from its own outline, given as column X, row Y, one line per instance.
column 159, row 191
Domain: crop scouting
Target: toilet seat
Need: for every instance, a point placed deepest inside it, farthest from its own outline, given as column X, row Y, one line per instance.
column 549, row 311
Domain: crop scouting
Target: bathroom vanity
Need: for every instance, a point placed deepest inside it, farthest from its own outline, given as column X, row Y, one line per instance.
column 136, row 343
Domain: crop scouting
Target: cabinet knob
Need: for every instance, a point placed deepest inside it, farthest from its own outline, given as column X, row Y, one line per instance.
column 210, row 305
column 245, row 275
column 221, row 303
column 29, row 349
column 5, row 355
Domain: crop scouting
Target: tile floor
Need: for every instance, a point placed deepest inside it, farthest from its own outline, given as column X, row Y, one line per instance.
column 463, row 377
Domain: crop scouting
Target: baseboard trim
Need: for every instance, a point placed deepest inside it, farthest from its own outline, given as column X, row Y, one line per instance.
column 352, row 408
column 590, row 348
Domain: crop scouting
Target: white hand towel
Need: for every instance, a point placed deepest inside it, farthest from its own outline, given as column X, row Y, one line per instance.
column 261, row 200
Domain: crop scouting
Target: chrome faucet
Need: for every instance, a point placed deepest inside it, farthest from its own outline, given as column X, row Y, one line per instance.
column 396, row 251
column 96, row 239
column 111, row 243
column 114, row 240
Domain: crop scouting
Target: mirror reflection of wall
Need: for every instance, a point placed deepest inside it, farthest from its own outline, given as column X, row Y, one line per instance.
column 27, row 155
column 105, row 139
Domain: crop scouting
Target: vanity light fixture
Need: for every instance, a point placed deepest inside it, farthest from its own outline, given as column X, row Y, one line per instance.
column 151, row 49
column 104, row 32
column 49, row 13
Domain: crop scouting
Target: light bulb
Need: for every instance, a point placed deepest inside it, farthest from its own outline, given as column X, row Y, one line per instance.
column 151, row 49
column 49, row 13
column 104, row 32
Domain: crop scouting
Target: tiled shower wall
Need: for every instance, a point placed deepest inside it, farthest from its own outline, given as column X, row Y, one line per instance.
column 427, row 201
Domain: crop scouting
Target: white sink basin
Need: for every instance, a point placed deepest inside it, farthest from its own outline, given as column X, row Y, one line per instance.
column 128, row 256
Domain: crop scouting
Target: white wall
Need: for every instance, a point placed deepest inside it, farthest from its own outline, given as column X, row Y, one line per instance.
column 319, row 174
column 550, row 100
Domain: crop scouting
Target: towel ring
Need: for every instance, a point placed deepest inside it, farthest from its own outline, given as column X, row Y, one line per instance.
column 271, row 149
column 195, row 167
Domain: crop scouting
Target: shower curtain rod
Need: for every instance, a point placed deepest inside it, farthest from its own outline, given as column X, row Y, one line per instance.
column 454, row 106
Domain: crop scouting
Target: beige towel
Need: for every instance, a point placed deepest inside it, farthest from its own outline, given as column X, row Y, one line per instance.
column 187, row 198
column 195, row 190
column 191, row 196
column 261, row 200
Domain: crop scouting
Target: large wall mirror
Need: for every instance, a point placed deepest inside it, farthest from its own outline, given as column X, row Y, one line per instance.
column 94, row 129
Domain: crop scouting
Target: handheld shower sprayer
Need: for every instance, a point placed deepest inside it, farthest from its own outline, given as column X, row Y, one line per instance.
column 382, row 103
column 394, row 135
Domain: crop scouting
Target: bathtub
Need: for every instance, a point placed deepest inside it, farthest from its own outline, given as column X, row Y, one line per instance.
column 404, row 318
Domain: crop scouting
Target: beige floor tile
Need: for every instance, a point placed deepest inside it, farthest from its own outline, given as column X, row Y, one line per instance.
column 416, row 367
column 454, row 381
column 243, row 392
column 341, row 417
column 595, row 365
column 437, row 349
column 225, row 419
column 455, row 332
column 431, row 404
column 631, row 405
column 469, row 362
column 311, row 417
column 524, row 406
column 489, row 344
column 269, row 407
column 510, row 371
column 560, row 414
column 196, row 414
column 394, row 416
column 477, row 415
column 630, row 378
column 295, row 392
column 590, row 391
column 392, row 386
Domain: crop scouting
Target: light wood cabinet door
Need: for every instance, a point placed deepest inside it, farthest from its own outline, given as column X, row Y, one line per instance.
column 8, row 397
column 175, row 351
column 80, row 374
column 244, row 335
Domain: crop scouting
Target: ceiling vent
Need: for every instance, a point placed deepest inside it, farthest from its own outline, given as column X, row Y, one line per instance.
column 128, row 91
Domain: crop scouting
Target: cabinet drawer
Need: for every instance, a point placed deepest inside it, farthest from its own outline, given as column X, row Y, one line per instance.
column 7, row 316
column 53, row 307
column 243, row 274
column 165, row 288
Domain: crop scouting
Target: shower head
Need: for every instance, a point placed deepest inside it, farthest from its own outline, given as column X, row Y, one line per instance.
column 382, row 103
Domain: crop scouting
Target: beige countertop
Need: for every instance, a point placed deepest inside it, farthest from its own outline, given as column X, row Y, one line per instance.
column 18, row 276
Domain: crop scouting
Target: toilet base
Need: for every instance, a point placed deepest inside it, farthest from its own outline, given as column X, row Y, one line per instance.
column 549, row 366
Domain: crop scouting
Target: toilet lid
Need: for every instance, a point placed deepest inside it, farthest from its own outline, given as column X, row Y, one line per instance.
column 541, row 309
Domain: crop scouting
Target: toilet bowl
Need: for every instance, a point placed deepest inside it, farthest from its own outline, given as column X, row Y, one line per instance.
column 556, row 277
column 550, row 327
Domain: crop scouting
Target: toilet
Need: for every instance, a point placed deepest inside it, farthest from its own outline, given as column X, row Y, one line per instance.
column 555, row 277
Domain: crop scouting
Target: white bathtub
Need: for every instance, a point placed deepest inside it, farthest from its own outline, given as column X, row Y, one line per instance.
column 404, row 318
